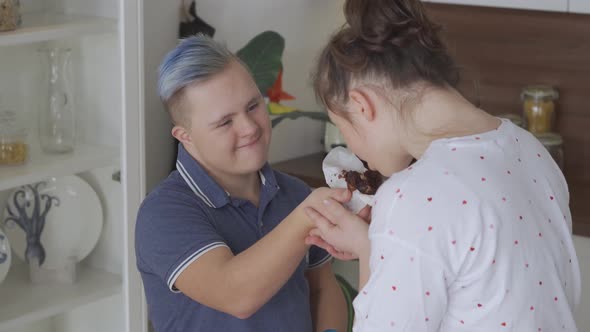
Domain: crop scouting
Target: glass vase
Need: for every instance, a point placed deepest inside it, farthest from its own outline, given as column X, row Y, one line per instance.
column 57, row 119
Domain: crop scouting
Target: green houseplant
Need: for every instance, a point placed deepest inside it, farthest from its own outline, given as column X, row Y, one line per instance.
column 263, row 56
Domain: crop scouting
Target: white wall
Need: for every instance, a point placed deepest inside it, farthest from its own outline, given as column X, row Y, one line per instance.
column 306, row 26
column 160, row 36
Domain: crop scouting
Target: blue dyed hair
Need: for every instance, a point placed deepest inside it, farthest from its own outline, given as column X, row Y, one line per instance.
column 194, row 59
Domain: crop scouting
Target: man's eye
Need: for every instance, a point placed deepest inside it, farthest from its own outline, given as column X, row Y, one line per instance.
column 253, row 107
column 226, row 123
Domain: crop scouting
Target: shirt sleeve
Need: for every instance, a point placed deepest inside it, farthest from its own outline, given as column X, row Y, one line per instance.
column 317, row 257
column 171, row 233
column 406, row 290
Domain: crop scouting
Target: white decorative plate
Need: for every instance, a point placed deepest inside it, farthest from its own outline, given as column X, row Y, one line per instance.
column 73, row 220
column 5, row 256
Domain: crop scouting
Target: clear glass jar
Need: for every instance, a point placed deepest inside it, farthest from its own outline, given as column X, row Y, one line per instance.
column 57, row 119
column 539, row 108
column 553, row 142
column 10, row 18
column 13, row 147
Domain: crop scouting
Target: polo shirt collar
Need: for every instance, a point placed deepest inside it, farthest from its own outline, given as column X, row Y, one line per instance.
column 205, row 187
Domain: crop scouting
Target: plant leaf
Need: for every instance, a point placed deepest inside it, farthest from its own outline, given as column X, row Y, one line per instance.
column 263, row 56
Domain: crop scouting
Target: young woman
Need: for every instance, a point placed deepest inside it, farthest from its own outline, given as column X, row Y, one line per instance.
column 476, row 235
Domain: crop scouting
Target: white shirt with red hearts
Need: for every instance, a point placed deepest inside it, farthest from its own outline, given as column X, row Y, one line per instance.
column 475, row 236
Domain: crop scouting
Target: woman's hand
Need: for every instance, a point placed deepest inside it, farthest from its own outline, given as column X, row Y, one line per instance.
column 341, row 233
column 316, row 200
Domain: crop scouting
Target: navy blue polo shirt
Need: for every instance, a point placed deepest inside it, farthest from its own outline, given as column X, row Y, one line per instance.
column 189, row 214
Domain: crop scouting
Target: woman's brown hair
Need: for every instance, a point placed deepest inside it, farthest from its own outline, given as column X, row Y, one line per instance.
column 384, row 40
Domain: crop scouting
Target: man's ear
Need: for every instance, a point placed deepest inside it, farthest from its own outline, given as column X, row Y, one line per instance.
column 181, row 134
column 361, row 102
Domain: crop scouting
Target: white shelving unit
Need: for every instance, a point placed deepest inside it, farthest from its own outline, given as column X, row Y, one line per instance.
column 41, row 166
column 109, row 94
column 29, row 302
column 38, row 27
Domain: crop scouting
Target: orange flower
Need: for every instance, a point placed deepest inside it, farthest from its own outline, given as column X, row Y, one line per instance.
column 275, row 93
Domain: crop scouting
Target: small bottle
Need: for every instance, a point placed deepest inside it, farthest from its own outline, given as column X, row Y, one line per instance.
column 13, row 147
column 553, row 142
column 539, row 108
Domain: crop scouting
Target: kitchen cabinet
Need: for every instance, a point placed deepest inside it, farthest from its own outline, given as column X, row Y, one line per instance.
column 547, row 5
column 579, row 6
column 106, row 58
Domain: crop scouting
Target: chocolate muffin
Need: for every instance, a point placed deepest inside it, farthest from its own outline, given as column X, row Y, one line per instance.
column 367, row 182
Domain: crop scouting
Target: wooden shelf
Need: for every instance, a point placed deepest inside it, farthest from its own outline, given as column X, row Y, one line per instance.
column 307, row 168
column 41, row 165
column 24, row 302
column 38, row 27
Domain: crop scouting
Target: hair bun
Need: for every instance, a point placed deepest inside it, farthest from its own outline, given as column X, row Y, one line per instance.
column 381, row 24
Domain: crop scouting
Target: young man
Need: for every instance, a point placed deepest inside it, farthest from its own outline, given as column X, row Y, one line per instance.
column 220, row 243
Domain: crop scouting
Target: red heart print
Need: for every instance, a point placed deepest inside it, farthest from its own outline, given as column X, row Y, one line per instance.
column 429, row 199
column 429, row 228
column 427, row 293
column 454, row 242
column 551, row 197
column 472, row 249
column 479, row 305
column 481, row 157
column 532, row 308
column 394, row 288
column 464, row 202
column 503, row 324
column 483, row 179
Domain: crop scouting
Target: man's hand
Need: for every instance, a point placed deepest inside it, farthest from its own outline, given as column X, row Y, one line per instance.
column 327, row 227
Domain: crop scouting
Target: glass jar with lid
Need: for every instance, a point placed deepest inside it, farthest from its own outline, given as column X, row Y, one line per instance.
column 553, row 142
column 539, row 108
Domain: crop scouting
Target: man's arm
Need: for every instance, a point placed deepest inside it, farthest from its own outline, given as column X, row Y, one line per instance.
column 328, row 306
column 240, row 285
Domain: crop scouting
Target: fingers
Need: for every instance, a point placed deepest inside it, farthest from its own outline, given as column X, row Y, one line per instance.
column 324, row 225
column 365, row 213
column 333, row 211
column 343, row 196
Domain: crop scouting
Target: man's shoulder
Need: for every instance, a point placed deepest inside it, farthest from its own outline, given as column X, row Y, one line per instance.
column 169, row 195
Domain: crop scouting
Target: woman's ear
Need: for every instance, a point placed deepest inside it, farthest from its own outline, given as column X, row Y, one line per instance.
column 181, row 134
column 361, row 102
